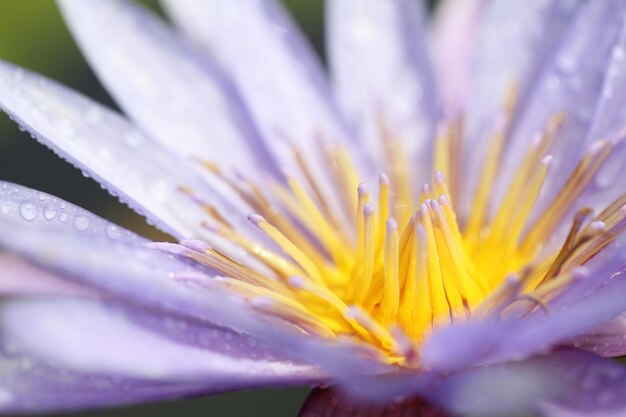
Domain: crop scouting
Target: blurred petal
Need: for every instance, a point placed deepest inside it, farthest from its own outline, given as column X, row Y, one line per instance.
column 608, row 340
column 571, row 382
column 571, row 83
column 115, row 345
column 277, row 73
column 94, row 252
column 381, row 71
column 566, row 380
column 454, row 33
column 20, row 277
column 608, row 123
column 171, row 91
column 507, row 51
column 105, row 145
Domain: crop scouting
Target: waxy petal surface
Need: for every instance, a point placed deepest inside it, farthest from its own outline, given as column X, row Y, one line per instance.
column 174, row 93
column 278, row 75
column 105, row 353
column 106, row 146
column 507, row 51
column 382, row 75
column 572, row 84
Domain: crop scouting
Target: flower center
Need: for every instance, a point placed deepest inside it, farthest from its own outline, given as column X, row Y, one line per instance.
column 403, row 264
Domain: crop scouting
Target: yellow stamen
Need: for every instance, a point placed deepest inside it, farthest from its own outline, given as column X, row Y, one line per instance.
column 382, row 274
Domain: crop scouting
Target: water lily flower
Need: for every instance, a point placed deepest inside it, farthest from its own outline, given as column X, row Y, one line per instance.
column 416, row 239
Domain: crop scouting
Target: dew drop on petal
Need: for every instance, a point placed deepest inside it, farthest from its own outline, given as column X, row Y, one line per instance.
column 133, row 139
column 49, row 212
column 28, row 211
column 81, row 223
column 113, row 232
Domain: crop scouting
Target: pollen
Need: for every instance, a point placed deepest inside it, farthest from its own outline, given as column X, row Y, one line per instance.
column 396, row 261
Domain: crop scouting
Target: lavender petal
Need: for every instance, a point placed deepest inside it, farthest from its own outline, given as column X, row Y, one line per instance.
column 507, row 51
column 566, row 383
column 286, row 93
column 381, row 72
column 572, row 84
column 106, row 146
column 173, row 93
column 607, row 340
column 18, row 277
column 64, row 353
column 454, row 34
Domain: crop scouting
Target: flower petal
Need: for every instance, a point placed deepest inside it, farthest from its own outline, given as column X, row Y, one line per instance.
column 566, row 380
column 454, row 32
column 608, row 340
column 278, row 75
column 507, row 51
column 105, row 344
column 572, row 84
column 565, row 383
column 20, row 277
column 105, row 145
column 176, row 95
column 381, row 72
column 96, row 253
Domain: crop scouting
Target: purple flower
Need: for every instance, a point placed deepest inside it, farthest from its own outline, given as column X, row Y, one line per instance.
column 308, row 252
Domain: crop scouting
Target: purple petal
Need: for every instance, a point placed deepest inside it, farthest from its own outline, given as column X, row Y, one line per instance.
column 174, row 94
column 454, row 33
column 380, row 69
column 19, row 277
column 566, row 380
column 105, row 145
column 507, row 51
column 570, row 83
column 108, row 344
column 608, row 340
column 275, row 70
column 95, row 252
column 608, row 124
column 566, row 383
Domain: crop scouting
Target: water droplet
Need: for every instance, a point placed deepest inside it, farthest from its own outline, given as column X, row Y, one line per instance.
column 133, row 139
column 279, row 29
column 41, row 197
column 159, row 190
column 113, row 232
column 105, row 154
column 93, row 115
column 18, row 74
column 63, row 217
column 566, row 63
column 553, row 82
column 28, row 211
column 49, row 212
column 81, row 223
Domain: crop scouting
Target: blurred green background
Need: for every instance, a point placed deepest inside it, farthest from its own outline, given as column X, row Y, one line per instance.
column 32, row 35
